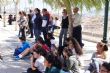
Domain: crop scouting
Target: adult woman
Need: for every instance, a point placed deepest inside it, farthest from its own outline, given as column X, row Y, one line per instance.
column 64, row 28
column 99, row 56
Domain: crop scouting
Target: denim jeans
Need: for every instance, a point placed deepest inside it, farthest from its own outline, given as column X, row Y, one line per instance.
column 63, row 33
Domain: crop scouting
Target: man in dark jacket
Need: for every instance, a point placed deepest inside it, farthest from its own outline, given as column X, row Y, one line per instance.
column 37, row 23
column 45, row 23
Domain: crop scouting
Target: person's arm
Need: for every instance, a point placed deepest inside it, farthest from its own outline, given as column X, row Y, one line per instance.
column 32, row 63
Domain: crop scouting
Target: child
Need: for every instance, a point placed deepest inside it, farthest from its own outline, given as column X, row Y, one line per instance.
column 37, row 62
column 19, row 50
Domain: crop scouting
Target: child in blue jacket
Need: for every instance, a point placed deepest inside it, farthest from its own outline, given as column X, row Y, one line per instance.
column 19, row 50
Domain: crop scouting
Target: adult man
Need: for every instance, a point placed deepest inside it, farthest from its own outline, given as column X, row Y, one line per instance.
column 30, row 23
column 77, row 26
column 45, row 23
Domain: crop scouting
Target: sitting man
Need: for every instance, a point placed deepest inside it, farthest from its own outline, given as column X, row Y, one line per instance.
column 19, row 50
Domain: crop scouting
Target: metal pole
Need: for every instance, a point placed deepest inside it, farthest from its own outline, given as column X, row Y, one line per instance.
column 4, row 17
column 105, row 22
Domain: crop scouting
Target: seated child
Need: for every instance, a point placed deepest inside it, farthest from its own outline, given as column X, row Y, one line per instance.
column 19, row 50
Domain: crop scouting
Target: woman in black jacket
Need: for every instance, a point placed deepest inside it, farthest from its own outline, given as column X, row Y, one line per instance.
column 38, row 23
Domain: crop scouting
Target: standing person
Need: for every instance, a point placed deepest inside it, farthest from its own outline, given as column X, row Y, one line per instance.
column 77, row 34
column 37, row 24
column 10, row 19
column 22, row 24
column 30, row 23
column 64, row 27
column 45, row 23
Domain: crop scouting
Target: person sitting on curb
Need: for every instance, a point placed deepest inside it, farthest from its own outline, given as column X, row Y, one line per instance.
column 39, row 43
column 105, row 68
column 23, row 47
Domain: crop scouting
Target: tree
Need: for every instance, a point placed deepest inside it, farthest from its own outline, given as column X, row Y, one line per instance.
column 69, row 4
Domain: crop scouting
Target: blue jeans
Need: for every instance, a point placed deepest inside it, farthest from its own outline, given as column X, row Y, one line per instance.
column 63, row 33
column 37, row 33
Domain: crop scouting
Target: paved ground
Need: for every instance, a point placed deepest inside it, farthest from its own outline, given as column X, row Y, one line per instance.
column 8, row 41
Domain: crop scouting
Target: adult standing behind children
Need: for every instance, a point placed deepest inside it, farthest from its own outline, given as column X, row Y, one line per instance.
column 77, row 29
column 37, row 23
column 64, row 28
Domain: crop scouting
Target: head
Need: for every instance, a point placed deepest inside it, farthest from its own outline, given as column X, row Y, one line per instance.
column 56, row 18
column 64, row 12
column 37, row 11
column 24, row 13
column 73, row 44
column 101, row 47
column 20, row 13
column 67, row 52
column 49, row 60
column 75, row 10
column 37, row 53
column 105, row 68
column 44, row 11
column 22, row 39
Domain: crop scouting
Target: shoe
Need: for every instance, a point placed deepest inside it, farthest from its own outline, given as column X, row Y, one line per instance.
column 17, row 58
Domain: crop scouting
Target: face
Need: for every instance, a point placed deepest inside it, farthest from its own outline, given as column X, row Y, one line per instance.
column 64, row 14
column 103, row 70
column 35, row 11
column 99, row 47
column 35, row 55
column 70, row 45
column 46, row 63
column 75, row 10
column 43, row 12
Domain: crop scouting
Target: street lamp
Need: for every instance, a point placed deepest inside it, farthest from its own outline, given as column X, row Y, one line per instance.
column 106, row 21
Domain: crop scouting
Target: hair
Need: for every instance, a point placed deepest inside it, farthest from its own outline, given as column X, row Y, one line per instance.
column 56, row 18
column 40, row 51
column 105, row 47
column 37, row 9
column 24, row 13
column 20, row 12
column 65, row 11
column 68, row 51
column 106, row 65
column 50, row 35
column 77, row 47
column 50, row 58
column 44, row 9
column 54, row 60
column 22, row 38
column 40, row 39
column 30, row 10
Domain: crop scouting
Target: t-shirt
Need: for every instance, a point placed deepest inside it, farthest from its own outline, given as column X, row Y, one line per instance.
column 39, row 64
column 24, row 46
column 77, row 20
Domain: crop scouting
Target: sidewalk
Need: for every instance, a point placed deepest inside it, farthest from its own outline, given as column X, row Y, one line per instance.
column 9, row 41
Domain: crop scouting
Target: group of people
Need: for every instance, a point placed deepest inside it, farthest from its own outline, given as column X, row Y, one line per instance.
column 45, row 56
column 11, row 18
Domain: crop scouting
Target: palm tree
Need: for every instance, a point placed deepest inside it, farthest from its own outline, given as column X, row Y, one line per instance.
column 69, row 4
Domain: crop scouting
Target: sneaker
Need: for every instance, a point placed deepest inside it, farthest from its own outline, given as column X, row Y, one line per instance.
column 17, row 58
